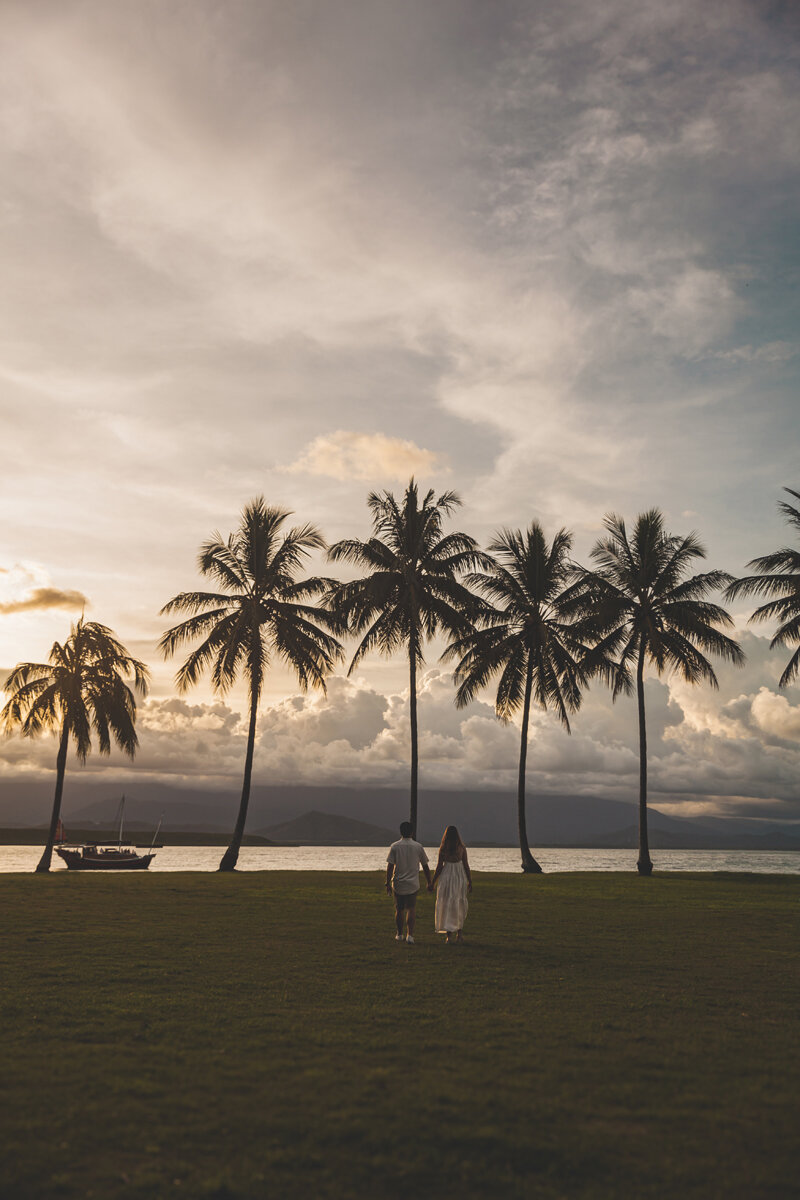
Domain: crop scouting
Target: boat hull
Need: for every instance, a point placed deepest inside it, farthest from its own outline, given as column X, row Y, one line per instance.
column 76, row 861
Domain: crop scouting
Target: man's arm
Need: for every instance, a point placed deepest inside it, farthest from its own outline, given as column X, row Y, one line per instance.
column 389, row 874
column 427, row 871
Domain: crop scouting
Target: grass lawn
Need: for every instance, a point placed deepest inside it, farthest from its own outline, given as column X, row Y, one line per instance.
column 262, row 1034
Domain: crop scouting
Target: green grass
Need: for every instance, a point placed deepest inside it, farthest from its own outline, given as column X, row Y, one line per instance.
column 263, row 1035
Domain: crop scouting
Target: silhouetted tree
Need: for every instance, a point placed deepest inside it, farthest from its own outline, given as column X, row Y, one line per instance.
column 261, row 611
column 779, row 579
column 526, row 638
column 81, row 691
column 639, row 607
column 412, row 588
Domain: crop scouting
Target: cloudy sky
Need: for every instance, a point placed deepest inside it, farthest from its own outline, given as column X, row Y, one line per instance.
column 546, row 255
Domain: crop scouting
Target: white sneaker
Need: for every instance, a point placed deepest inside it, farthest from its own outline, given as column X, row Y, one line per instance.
column 398, row 937
column 409, row 938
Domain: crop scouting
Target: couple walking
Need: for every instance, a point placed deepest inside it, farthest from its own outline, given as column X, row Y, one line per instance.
column 452, row 880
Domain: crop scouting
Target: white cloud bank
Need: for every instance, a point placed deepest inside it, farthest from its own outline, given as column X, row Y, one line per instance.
column 734, row 752
column 369, row 456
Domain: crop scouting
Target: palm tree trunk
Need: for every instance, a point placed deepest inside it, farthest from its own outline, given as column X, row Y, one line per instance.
column 61, row 765
column 644, row 865
column 231, row 855
column 529, row 863
column 412, row 704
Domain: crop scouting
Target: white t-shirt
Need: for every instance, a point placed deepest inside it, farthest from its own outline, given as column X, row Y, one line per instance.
column 406, row 856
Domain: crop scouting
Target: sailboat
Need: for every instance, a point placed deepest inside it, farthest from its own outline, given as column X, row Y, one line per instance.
column 109, row 856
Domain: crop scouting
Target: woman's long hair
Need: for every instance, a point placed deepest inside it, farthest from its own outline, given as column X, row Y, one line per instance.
column 452, row 845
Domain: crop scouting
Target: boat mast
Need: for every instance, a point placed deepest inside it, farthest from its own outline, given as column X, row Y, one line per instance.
column 121, row 816
column 158, row 828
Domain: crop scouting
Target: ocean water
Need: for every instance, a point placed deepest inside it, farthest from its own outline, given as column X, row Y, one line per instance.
column 373, row 858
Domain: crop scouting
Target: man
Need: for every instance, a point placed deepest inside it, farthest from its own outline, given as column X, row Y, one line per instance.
column 402, row 877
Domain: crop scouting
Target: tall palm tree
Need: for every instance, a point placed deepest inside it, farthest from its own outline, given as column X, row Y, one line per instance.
column 411, row 589
column 526, row 638
column 261, row 612
column 640, row 607
column 779, row 579
column 80, row 691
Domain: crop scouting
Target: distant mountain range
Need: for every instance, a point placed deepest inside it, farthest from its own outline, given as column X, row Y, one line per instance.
column 487, row 817
column 327, row 829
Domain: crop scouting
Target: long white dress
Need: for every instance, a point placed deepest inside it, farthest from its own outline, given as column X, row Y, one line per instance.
column 451, row 898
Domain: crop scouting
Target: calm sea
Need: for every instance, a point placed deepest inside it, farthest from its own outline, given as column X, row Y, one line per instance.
column 368, row 858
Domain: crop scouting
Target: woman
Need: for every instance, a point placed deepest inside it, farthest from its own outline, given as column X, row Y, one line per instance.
column 452, row 880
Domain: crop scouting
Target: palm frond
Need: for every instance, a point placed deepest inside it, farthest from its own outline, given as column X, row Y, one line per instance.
column 788, row 632
column 546, row 687
column 305, row 647
column 386, row 634
column 293, row 552
column 791, row 513
column 46, row 711
column 370, row 554
column 779, row 580
column 241, row 646
column 195, row 602
column 780, row 573
column 221, row 562
column 297, row 590
column 679, row 654
column 24, row 687
column 195, row 627
column 698, row 586
column 792, row 669
column 511, row 688
column 217, row 634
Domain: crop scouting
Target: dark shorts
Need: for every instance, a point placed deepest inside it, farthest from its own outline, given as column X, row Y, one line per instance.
column 407, row 900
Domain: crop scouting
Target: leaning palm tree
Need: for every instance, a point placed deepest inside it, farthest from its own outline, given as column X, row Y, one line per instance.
column 261, row 612
column 526, row 638
column 411, row 590
column 779, row 579
column 79, row 692
column 639, row 607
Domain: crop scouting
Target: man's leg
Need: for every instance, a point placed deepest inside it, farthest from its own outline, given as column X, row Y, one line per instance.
column 411, row 915
column 398, row 917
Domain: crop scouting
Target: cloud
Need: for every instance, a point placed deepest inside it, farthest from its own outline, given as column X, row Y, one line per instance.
column 690, row 309
column 349, row 712
column 29, row 602
column 774, row 715
column 44, row 598
column 735, row 752
column 199, row 743
column 770, row 352
column 371, row 456
column 702, row 749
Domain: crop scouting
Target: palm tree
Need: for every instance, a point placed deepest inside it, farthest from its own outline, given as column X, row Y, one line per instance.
column 411, row 589
column 639, row 606
column 780, row 580
column 526, row 638
column 261, row 612
column 80, row 691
